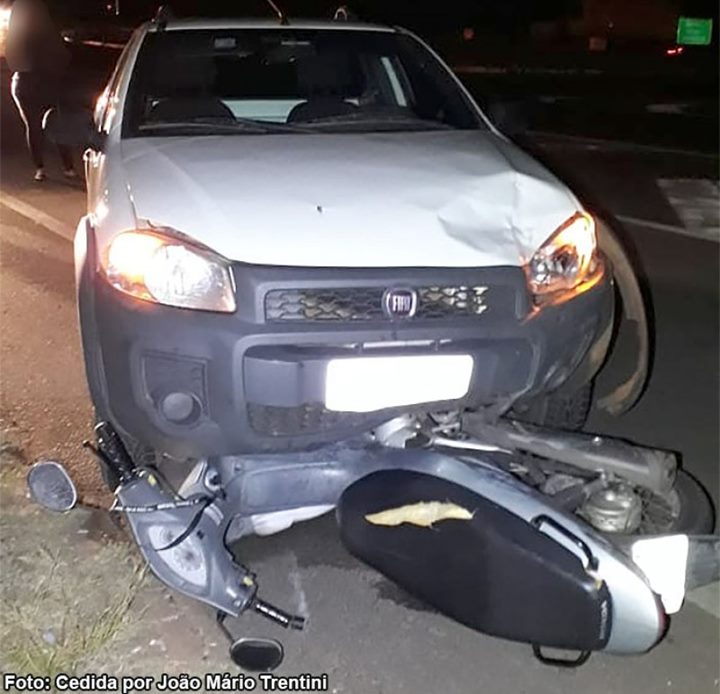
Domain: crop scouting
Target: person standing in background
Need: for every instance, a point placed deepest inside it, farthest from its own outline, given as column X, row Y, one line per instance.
column 37, row 56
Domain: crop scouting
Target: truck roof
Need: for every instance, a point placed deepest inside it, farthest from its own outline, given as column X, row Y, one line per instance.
column 269, row 23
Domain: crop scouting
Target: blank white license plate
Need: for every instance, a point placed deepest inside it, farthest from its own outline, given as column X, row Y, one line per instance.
column 365, row 384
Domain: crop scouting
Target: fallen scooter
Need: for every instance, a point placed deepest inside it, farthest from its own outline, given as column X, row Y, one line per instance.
column 577, row 542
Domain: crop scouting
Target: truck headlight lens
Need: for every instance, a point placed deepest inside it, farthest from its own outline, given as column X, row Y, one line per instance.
column 167, row 270
column 566, row 260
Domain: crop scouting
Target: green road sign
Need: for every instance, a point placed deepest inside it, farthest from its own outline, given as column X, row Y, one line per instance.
column 694, row 32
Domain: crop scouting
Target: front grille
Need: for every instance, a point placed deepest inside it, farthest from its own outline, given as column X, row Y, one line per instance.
column 365, row 303
column 452, row 302
column 304, row 419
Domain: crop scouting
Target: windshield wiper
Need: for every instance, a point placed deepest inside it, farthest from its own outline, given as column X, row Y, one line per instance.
column 222, row 126
column 396, row 120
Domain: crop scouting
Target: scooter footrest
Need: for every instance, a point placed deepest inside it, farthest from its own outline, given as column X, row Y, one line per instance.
column 474, row 560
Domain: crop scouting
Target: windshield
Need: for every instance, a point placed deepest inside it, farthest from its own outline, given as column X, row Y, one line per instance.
column 258, row 81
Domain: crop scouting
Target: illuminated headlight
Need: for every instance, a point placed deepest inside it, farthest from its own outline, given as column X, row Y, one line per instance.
column 567, row 260
column 169, row 271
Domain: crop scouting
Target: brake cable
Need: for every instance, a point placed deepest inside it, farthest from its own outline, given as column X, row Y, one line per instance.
column 165, row 506
column 202, row 501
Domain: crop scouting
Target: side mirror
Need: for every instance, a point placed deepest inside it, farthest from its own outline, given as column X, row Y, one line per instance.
column 509, row 117
column 73, row 127
column 51, row 486
column 257, row 655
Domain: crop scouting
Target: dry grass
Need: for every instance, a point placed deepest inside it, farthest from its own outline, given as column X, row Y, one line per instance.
column 63, row 602
column 53, row 624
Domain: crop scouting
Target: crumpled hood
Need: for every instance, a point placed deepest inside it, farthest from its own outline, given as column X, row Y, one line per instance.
column 427, row 199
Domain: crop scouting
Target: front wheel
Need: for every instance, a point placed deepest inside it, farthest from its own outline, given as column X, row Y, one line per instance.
column 621, row 512
column 686, row 509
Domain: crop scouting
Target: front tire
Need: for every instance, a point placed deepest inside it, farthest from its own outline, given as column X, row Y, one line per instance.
column 686, row 509
column 694, row 510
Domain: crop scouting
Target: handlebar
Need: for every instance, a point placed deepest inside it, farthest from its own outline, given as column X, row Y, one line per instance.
column 275, row 614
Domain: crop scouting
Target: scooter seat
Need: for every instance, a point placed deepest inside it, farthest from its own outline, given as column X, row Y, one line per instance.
column 474, row 560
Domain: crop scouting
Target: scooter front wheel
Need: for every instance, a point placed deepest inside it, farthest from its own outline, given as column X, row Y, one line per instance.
column 686, row 509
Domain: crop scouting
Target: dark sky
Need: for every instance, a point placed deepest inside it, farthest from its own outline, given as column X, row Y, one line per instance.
column 502, row 16
column 407, row 12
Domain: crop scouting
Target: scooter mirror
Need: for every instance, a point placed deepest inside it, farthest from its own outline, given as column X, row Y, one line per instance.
column 51, row 486
column 257, row 655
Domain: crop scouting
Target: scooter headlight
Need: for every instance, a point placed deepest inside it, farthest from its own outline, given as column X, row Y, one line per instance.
column 566, row 261
column 168, row 270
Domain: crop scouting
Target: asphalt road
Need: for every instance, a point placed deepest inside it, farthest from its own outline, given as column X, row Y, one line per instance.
column 366, row 633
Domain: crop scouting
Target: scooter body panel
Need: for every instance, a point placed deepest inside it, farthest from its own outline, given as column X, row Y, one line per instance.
column 269, row 483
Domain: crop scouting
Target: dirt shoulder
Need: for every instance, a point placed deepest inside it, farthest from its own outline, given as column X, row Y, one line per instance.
column 44, row 403
column 78, row 599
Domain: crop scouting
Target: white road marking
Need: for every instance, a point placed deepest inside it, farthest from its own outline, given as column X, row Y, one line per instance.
column 518, row 70
column 480, row 70
column 95, row 43
column 595, row 143
column 103, row 44
column 707, row 598
column 707, row 235
column 673, row 109
column 38, row 216
column 696, row 202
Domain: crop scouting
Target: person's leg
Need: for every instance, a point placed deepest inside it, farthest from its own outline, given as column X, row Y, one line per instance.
column 55, row 93
column 30, row 108
column 67, row 161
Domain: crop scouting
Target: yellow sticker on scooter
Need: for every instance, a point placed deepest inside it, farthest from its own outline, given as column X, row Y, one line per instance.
column 422, row 514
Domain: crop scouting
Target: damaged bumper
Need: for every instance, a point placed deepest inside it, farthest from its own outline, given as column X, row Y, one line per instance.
column 195, row 383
